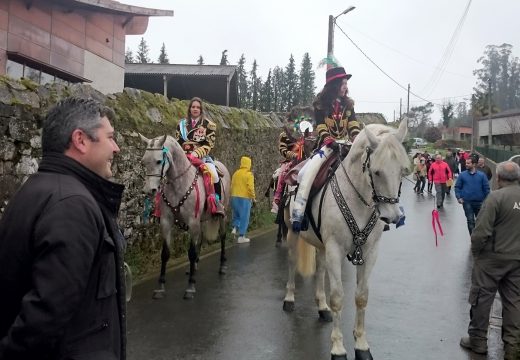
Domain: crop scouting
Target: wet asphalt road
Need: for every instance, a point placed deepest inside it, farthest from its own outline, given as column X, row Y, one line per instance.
column 417, row 307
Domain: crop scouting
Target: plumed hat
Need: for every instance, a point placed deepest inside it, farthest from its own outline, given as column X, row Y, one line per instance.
column 336, row 73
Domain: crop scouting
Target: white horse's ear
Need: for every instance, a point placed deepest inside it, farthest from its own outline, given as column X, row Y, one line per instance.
column 372, row 139
column 144, row 139
column 164, row 139
column 402, row 130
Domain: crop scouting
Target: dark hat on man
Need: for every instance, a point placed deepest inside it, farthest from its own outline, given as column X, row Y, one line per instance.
column 336, row 73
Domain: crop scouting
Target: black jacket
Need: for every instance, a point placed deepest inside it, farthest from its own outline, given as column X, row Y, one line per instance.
column 61, row 267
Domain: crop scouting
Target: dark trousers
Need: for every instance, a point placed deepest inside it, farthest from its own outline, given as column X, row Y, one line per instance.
column 440, row 193
column 420, row 183
column 471, row 209
column 488, row 276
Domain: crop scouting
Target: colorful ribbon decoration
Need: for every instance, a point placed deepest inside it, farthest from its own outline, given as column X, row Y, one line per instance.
column 436, row 222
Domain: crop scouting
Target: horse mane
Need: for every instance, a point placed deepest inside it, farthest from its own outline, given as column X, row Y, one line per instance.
column 389, row 148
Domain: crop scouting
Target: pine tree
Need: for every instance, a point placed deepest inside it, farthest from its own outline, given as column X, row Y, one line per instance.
column 255, row 83
column 307, row 76
column 200, row 61
column 291, row 86
column 223, row 59
column 163, row 57
column 266, row 97
column 242, row 82
column 278, row 89
column 129, row 56
column 143, row 51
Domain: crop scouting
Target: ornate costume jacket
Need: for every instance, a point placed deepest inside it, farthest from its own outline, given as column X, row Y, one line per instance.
column 197, row 139
column 286, row 143
column 338, row 120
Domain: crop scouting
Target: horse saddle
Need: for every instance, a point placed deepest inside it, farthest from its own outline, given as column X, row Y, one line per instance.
column 327, row 167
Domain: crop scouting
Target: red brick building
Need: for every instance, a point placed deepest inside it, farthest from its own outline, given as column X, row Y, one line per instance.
column 69, row 40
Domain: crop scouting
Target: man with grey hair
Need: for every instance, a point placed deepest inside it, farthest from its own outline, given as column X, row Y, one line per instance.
column 495, row 245
column 61, row 251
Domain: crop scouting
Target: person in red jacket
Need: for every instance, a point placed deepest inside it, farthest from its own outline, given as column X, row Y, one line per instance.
column 439, row 173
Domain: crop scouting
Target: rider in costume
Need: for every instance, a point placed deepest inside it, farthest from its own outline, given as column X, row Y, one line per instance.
column 335, row 120
column 196, row 135
column 290, row 146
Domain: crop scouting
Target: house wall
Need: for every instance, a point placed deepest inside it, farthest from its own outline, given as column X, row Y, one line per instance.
column 66, row 38
column 500, row 126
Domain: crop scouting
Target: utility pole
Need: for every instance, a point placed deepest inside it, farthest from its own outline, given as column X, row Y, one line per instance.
column 330, row 40
column 490, row 127
column 400, row 109
column 408, row 105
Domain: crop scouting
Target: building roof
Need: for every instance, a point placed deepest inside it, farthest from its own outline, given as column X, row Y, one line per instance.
column 180, row 69
column 502, row 114
column 117, row 7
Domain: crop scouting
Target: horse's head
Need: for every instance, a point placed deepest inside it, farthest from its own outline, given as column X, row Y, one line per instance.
column 157, row 160
column 385, row 161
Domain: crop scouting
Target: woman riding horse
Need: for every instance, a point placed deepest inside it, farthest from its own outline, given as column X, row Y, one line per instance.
column 196, row 135
column 335, row 119
column 291, row 145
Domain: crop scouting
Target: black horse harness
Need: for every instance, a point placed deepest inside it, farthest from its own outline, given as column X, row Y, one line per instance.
column 359, row 236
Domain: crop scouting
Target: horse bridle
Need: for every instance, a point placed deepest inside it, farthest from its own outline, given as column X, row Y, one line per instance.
column 165, row 160
column 375, row 196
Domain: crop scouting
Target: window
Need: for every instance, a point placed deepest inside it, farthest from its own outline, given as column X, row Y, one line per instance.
column 14, row 69
column 17, row 70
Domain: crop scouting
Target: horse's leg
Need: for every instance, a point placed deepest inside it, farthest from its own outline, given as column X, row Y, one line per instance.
column 193, row 256
column 292, row 257
column 334, row 257
column 223, row 261
column 361, row 297
column 321, row 300
column 165, row 256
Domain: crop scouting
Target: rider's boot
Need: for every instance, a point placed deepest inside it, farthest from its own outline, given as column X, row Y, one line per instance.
column 310, row 171
column 218, row 197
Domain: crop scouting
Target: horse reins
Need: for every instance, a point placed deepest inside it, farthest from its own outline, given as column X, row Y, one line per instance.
column 175, row 209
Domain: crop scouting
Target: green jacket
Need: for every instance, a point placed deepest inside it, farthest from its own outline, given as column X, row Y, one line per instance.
column 497, row 231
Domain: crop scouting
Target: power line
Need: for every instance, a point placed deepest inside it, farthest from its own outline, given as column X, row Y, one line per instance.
column 448, row 52
column 404, row 54
column 380, row 69
column 415, row 102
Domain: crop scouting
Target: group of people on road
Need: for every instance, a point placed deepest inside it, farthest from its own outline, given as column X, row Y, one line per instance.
column 61, row 250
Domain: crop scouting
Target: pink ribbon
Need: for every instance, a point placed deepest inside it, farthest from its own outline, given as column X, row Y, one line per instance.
column 436, row 220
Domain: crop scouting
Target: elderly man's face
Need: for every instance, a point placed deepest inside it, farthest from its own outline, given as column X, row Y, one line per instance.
column 481, row 162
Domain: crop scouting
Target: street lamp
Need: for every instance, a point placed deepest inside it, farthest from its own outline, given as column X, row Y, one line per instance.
column 332, row 21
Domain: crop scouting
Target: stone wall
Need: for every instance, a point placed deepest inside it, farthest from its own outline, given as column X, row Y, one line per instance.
column 239, row 132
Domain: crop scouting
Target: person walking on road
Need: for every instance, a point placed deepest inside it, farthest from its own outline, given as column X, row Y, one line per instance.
column 242, row 197
column 439, row 174
column 481, row 166
column 471, row 189
column 420, row 175
column 61, row 250
column 496, row 264
column 454, row 167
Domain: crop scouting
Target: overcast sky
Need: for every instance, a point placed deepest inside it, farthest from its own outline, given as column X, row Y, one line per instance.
column 406, row 38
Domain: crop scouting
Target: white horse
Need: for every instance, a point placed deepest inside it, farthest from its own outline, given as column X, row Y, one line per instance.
column 169, row 171
column 364, row 190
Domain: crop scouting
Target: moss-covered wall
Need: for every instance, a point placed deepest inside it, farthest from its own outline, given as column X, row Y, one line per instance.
column 239, row 132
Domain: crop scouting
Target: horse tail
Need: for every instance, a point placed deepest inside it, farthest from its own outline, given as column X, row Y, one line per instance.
column 306, row 258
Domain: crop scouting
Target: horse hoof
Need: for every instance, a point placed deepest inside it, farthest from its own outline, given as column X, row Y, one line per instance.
column 288, row 306
column 158, row 294
column 363, row 355
column 325, row 315
column 278, row 243
column 223, row 270
column 338, row 357
column 189, row 295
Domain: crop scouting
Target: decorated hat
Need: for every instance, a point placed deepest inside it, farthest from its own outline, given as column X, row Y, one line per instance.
column 336, row 73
